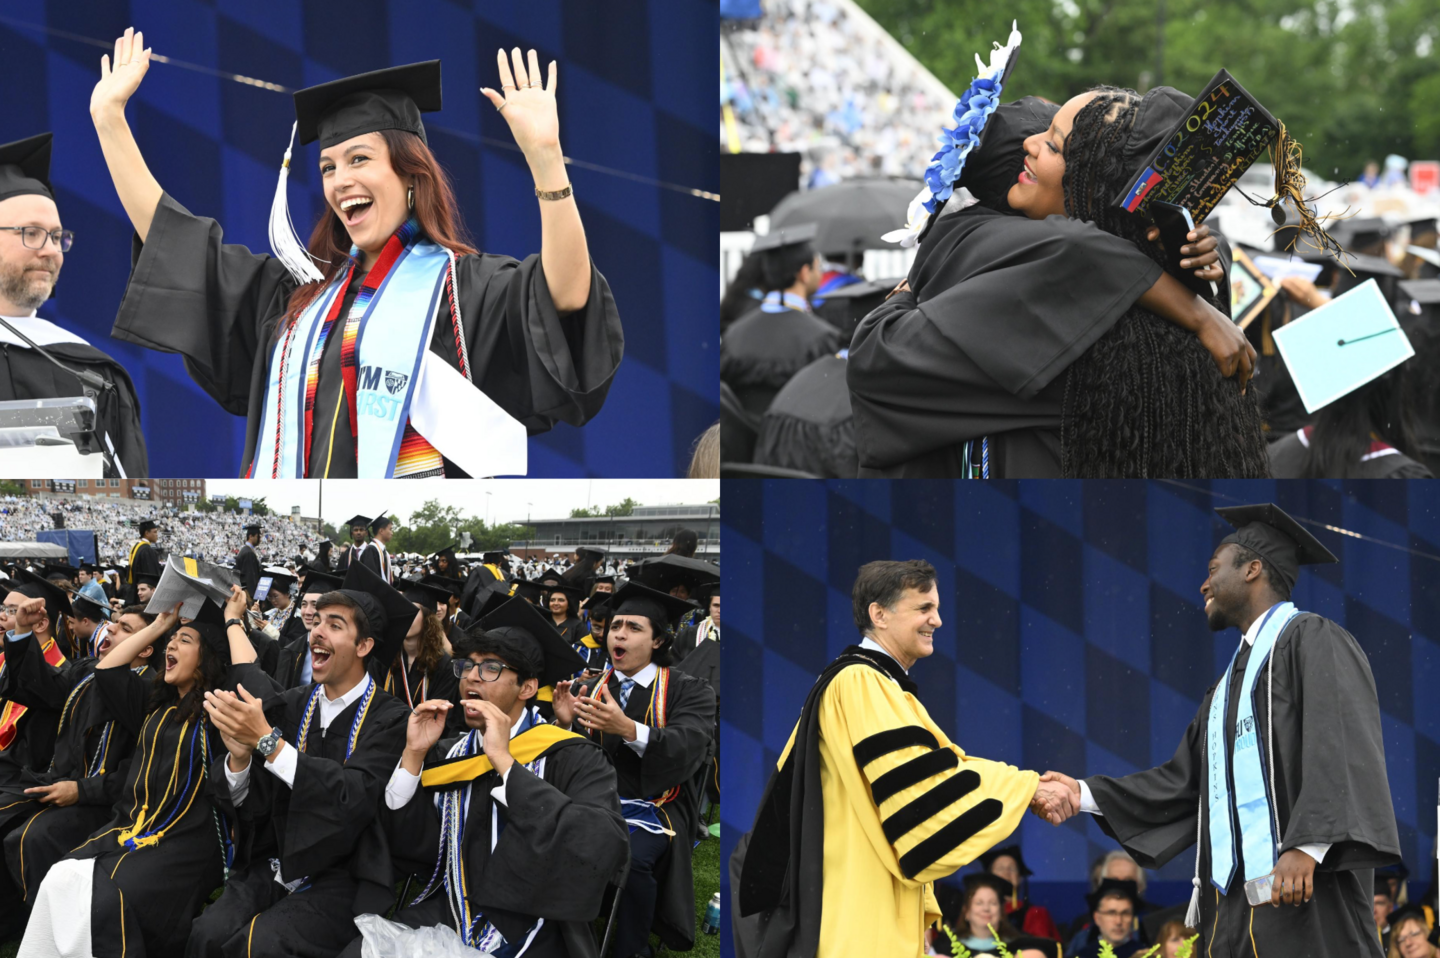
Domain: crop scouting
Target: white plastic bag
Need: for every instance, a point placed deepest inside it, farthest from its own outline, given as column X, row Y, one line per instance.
column 390, row 939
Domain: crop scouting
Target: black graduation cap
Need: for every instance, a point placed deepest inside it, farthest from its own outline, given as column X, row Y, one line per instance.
column 254, row 527
column 607, row 577
column 279, row 579
column 450, row 584
column 1002, row 887
column 1361, row 267
column 520, row 619
column 380, row 521
column 57, row 602
column 448, row 552
column 1426, row 292
column 427, row 595
column 994, row 163
column 495, row 555
column 60, row 570
column 574, row 592
column 637, row 599
column 210, row 624
column 528, row 590
column 667, row 571
column 1382, row 886
column 358, row 521
column 388, row 99
column 785, row 237
column 601, row 606
column 1115, row 886
column 146, row 525
column 319, row 580
column 1267, row 530
column 1008, row 851
column 389, row 612
column 25, row 167
column 597, row 551
column 491, row 599
column 146, row 578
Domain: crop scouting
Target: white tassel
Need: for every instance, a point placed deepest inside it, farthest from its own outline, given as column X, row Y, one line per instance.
column 283, row 242
column 1192, row 917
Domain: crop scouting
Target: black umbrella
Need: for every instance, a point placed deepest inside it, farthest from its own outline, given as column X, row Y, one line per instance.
column 663, row 573
column 851, row 215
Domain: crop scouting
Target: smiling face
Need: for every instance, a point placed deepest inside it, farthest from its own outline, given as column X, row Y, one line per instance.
column 559, row 604
column 27, row 276
column 182, row 658
column 984, row 910
column 307, row 608
column 632, row 642
column 1226, row 588
column 908, row 630
column 1040, row 191
column 364, row 191
column 336, row 655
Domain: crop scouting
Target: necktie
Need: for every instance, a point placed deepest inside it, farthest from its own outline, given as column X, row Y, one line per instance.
column 625, row 686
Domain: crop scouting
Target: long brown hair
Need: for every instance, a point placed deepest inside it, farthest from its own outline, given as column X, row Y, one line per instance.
column 435, row 208
column 432, row 645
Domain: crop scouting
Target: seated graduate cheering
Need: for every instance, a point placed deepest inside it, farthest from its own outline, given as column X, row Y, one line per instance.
column 312, row 808
column 654, row 722
column 513, row 826
column 147, row 873
column 443, row 358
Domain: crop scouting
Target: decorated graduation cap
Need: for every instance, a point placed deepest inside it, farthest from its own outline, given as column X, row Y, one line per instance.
column 389, row 99
column 1269, row 532
column 389, row 612
column 25, row 167
column 1339, row 347
column 318, row 580
column 57, row 602
column 972, row 116
column 521, row 620
column 91, row 602
column 637, row 599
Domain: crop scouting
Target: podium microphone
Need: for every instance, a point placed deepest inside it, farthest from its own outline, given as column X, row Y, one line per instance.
column 91, row 379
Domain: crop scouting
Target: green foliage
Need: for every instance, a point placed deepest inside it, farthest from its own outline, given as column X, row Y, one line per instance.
column 1352, row 82
column 1187, row 947
column 1151, row 952
column 625, row 507
column 1000, row 950
column 12, row 487
column 1107, row 950
column 956, row 949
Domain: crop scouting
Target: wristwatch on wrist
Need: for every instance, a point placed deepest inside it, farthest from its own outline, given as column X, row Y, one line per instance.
column 230, row 622
column 554, row 194
column 267, row 745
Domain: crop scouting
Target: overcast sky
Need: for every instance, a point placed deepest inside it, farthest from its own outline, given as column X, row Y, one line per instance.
column 508, row 500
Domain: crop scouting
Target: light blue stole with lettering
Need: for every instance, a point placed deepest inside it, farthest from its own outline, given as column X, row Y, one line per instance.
column 1251, row 800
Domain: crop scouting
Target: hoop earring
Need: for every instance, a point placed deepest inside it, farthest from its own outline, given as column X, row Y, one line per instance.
column 410, row 198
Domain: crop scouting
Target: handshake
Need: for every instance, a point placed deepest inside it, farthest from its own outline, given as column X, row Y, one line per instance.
column 1057, row 798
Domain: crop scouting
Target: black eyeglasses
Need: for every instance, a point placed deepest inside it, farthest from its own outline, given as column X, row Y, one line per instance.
column 489, row 669
column 33, row 237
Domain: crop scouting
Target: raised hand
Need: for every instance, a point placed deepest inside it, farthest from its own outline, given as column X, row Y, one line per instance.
column 29, row 613
column 494, row 725
column 426, row 725
column 527, row 105
column 237, row 603
column 564, row 704
column 120, row 78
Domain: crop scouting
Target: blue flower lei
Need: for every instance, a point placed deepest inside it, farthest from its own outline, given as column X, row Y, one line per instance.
column 970, row 114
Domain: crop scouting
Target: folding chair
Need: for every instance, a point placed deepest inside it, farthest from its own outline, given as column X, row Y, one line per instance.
column 618, row 882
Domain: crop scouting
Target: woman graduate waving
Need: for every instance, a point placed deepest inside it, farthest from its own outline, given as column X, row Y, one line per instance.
column 391, row 346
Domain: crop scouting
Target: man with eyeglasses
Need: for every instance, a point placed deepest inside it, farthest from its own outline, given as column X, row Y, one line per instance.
column 32, row 250
column 1113, row 907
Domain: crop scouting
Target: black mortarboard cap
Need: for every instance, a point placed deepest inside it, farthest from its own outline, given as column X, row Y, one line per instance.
column 1003, row 888
column 146, row 525
column 1426, row 292
column 57, row 602
column 606, row 577
column 380, row 521
column 992, row 167
column 319, row 580
column 491, row 599
column 25, row 167
column 209, row 622
column 389, row 99
column 496, row 555
column 574, row 592
column 1115, row 886
column 601, row 606
column 425, row 594
column 664, row 572
column 637, row 599
column 358, row 521
column 62, row 570
column 389, row 612
column 549, row 577
column 279, row 579
column 786, row 236
column 146, row 578
column 1008, row 851
column 1267, row 530
column 597, row 551
column 254, row 527
column 528, row 590
column 520, row 619
column 448, row 552
column 450, row 584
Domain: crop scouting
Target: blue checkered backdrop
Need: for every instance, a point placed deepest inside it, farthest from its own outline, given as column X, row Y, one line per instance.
column 636, row 97
column 1074, row 636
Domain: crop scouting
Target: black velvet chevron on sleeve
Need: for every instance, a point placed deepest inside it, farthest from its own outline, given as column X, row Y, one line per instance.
column 923, row 855
column 892, row 740
column 912, row 772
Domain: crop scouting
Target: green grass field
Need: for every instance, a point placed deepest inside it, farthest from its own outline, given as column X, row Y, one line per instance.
column 707, row 883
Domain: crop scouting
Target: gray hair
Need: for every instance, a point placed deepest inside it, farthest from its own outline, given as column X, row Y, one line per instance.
column 1102, row 865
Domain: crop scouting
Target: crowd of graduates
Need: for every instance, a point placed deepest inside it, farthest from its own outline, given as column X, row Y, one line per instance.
column 526, row 762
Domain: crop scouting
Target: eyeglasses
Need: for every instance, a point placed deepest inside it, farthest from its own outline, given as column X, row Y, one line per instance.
column 489, row 669
column 33, row 237
column 1417, row 933
column 1127, row 914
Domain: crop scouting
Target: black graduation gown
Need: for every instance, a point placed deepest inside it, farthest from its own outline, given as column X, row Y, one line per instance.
column 294, row 644
column 41, row 835
column 998, row 307
column 1329, row 786
column 33, row 746
column 563, row 838
column 247, row 569
column 370, row 557
column 809, row 425
column 761, row 351
column 25, row 374
column 1288, row 455
column 324, row 825
column 704, row 664
column 154, row 890
column 219, row 306
column 145, row 562
column 674, row 756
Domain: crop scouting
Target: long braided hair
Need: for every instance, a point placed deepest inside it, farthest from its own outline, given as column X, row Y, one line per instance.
column 1147, row 399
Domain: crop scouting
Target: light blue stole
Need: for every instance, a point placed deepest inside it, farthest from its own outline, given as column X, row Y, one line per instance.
column 1251, row 800
column 393, row 335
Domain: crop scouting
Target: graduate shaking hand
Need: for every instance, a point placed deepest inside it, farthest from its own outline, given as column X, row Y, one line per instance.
column 495, row 726
column 1054, row 802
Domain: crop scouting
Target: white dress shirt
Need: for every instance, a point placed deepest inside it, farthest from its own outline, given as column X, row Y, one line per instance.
column 1315, row 850
column 869, row 643
column 283, row 765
